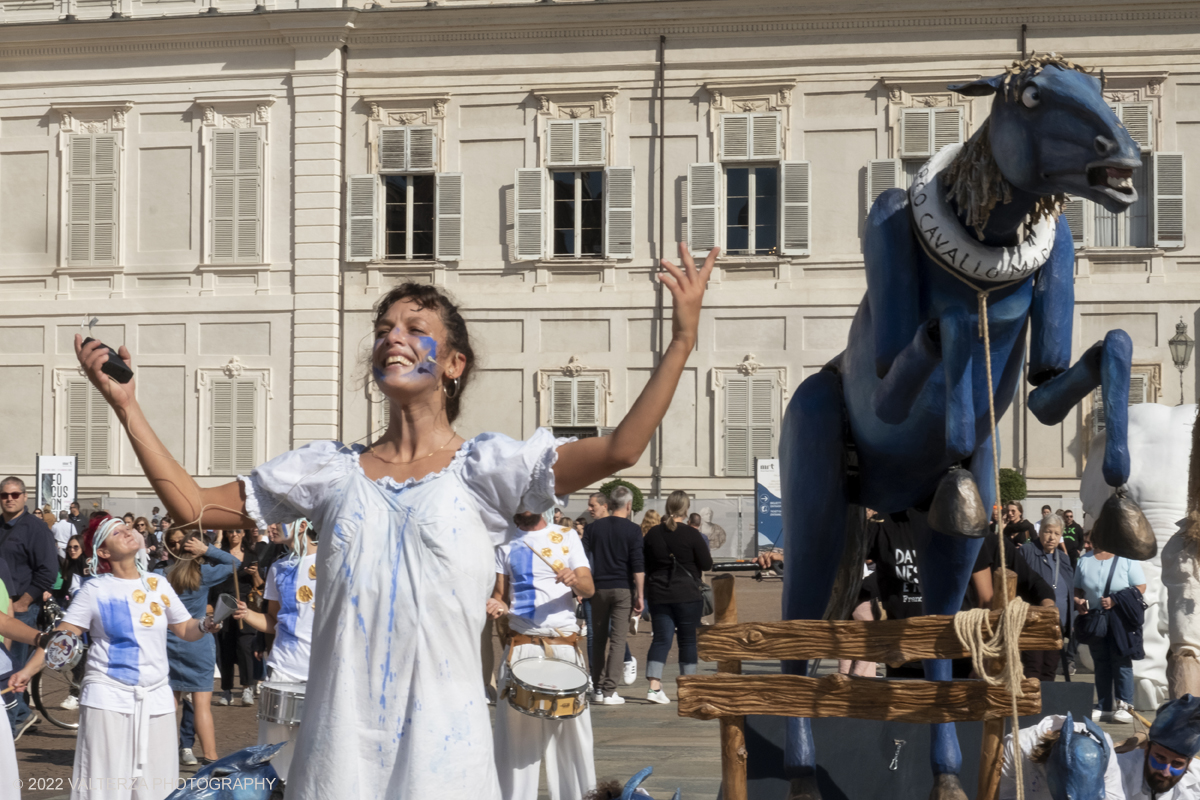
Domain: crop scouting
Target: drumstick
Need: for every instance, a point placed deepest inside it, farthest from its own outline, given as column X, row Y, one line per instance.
column 545, row 560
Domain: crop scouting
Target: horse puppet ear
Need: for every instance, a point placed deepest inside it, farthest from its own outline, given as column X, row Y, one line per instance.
column 979, row 88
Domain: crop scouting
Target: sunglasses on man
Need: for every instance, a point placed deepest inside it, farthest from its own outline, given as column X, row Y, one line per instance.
column 11, row 495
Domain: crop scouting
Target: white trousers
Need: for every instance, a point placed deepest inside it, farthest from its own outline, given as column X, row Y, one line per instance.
column 10, row 779
column 521, row 741
column 104, row 756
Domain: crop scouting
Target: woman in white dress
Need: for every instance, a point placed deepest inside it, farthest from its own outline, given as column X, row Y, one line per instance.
column 395, row 708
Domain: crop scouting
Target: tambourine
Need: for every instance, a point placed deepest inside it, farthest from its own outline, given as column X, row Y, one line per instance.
column 63, row 650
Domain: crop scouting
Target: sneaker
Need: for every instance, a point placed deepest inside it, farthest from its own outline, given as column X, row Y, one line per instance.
column 187, row 758
column 613, row 699
column 1122, row 714
column 630, row 671
column 247, row 696
column 30, row 721
column 1097, row 714
column 1071, row 668
column 69, row 703
column 597, row 697
column 222, row 699
column 657, row 696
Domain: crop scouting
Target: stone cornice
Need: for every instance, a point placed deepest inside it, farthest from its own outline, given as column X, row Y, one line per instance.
column 535, row 22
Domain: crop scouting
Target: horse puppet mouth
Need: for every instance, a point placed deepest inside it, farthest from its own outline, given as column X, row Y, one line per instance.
column 1116, row 182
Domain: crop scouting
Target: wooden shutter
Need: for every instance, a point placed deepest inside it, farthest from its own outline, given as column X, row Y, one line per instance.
column 618, row 212
column 529, row 222
column 735, row 137
column 703, row 212
column 1137, row 394
column 449, row 209
column 1097, row 410
column 232, row 425
column 87, row 427
column 1075, row 212
column 916, row 133
column 92, row 200
column 947, row 127
column 683, row 212
column 422, row 149
column 393, row 149
column 236, row 197
column 560, row 138
column 1169, row 208
column 762, row 418
column 76, row 421
column 1137, row 120
column 764, row 137
column 882, row 174
column 1137, row 389
column 244, row 393
column 590, row 148
column 98, row 431
column 586, row 406
column 737, row 425
column 562, row 402
column 360, row 217
column 797, row 219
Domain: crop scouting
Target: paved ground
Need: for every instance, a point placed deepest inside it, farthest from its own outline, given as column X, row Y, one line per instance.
column 684, row 752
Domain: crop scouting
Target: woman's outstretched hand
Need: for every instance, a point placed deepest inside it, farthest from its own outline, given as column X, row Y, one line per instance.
column 687, row 285
column 92, row 357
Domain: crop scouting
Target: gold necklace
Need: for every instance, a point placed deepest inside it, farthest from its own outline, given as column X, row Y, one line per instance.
column 453, row 433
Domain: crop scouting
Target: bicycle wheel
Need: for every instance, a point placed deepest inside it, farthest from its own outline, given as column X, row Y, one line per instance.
column 49, row 688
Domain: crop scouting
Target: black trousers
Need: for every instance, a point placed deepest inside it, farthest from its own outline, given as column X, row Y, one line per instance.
column 235, row 647
column 1040, row 664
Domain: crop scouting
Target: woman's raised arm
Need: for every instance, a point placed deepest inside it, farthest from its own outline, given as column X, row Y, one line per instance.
column 189, row 505
column 589, row 460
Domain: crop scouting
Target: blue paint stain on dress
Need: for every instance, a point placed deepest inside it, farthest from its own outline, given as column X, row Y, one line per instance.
column 123, row 649
column 289, row 612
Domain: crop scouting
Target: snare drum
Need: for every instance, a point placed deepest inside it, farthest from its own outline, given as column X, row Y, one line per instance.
column 280, row 707
column 549, row 688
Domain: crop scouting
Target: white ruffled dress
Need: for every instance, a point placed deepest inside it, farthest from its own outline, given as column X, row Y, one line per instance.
column 395, row 705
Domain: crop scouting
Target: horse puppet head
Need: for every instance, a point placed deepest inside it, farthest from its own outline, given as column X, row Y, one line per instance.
column 1050, row 133
column 1075, row 769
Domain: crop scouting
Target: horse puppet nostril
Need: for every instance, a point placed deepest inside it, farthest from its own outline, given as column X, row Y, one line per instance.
column 1105, row 146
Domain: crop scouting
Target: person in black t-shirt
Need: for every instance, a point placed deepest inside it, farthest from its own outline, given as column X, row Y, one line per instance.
column 894, row 551
column 1031, row 587
column 1017, row 528
column 1072, row 538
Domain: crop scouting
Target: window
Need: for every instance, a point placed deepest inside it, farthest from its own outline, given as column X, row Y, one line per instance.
column 750, row 421
column 590, row 206
column 408, row 231
column 1156, row 218
column 578, row 213
column 92, row 197
column 1140, row 389
column 88, row 428
column 236, row 196
column 574, row 406
column 751, row 210
column 232, row 427
column 418, row 214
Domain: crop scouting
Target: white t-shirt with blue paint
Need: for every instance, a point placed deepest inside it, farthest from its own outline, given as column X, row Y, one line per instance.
column 127, row 632
column 293, row 586
column 541, row 605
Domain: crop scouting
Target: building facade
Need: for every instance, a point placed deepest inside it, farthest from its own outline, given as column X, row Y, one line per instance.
column 226, row 189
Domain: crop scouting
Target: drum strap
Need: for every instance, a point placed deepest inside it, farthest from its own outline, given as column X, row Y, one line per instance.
column 545, row 642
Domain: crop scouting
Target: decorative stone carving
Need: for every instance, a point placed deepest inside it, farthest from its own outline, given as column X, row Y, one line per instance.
column 749, row 365
column 234, row 368
column 238, row 121
column 412, row 118
column 67, row 120
column 544, row 104
column 896, row 94
column 573, row 368
column 376, row 111
column 1122, row 97
column 718, row 99
column 608, row 102
column 118, row 120
column 92, row 127
column 260, row 113
column 439, row 108
column 210, row 115
column 1155, row 87
column 785, row 97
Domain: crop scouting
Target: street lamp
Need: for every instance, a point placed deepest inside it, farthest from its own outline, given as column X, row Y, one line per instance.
column 1181, row 351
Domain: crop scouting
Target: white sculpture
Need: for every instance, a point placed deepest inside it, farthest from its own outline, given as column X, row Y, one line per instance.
column 1160, row 445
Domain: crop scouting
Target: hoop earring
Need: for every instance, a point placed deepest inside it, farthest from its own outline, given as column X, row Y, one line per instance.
column 449, row 394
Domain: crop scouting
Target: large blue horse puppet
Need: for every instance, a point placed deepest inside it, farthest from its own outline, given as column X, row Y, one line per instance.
column 900, row 420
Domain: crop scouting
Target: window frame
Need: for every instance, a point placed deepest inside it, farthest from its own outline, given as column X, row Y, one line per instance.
column 206, row 377
column 753, row 212
column 382, row 191
column 577, row 230
column 64, row 381
column 750, row 369
column 547, row 379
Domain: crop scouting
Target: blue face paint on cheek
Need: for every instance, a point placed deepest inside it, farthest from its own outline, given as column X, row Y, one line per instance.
column 428, row 363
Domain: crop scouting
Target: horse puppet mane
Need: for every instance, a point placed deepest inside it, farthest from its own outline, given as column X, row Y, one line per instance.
column 974, row 181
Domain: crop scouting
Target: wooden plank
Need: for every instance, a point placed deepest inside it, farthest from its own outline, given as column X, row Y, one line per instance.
column 892, row 641
column 990, row 757
column 715, row 696
column 733, row 729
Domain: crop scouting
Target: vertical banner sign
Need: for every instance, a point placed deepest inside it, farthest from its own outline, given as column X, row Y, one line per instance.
column 57, row 482
column 768, row 506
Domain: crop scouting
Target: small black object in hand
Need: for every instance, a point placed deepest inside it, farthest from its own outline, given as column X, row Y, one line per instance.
column 115, row 367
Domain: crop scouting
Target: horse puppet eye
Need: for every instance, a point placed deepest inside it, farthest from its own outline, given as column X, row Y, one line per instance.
column 1031, row 96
